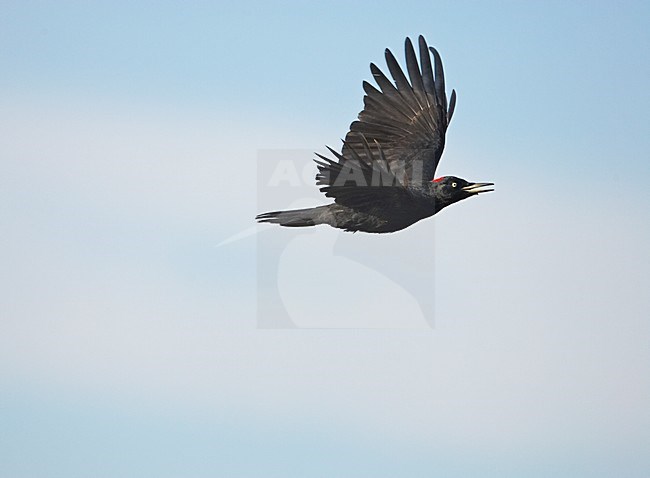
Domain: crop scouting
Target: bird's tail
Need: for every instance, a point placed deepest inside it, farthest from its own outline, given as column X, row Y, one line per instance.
column 296, row 217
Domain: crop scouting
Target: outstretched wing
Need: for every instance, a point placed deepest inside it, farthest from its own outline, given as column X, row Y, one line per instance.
column 407, row 118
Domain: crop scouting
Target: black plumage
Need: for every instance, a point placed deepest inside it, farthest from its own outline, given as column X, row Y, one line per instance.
column 383, row 178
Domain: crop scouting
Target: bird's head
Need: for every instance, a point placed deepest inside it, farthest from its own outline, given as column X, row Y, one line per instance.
column 450, row 189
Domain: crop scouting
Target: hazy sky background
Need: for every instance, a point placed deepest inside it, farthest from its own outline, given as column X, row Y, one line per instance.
column 129, row 342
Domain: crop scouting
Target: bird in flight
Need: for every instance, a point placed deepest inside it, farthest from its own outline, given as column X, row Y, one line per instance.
column 383, row 180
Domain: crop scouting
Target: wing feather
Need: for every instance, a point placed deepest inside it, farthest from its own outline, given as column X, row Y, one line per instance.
column 427, row 70
column 440, row 79
column 406, row 118
column 361, row 180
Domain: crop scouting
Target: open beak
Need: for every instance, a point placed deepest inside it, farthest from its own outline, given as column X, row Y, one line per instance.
column 476, row 188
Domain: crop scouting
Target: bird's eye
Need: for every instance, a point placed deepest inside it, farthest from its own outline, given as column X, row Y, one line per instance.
column 453, row 185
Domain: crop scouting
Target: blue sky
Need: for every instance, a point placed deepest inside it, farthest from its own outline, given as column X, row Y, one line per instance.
column 130, row 141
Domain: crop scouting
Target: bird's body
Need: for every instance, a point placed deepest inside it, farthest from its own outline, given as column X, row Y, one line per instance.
column 390, row 216
column 349, row 219
column 383, row 179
